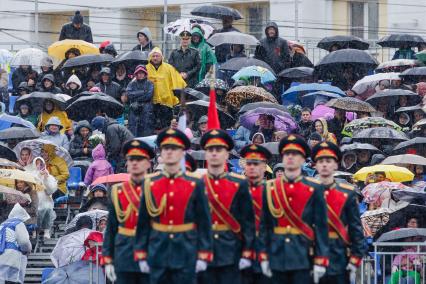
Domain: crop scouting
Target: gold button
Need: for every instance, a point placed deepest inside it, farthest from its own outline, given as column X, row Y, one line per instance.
column 216, row 222
column 311, row 189
column 216, row 236
column 171, row 236
column 120, row 191
column 236, row 184
column 171, row 222
column 151, row 183
column 287, row 240
column 216, row 195
column 171, row 208
column 137, row 213
column 216, row 182
column 192, row 183
column 172, row 181
column 253, row 188
column 171, row 194
column 288, row 226
column 326, row 193
column 291, row 186
column 345, row 194
column 290, row 199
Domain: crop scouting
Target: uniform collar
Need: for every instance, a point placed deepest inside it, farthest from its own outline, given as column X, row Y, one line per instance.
column 297, row 179
column 222, row 175
column 256, row 184
column 168, row 175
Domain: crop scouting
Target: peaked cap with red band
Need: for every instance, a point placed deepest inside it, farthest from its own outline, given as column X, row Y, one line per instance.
column 137, row 148
column 294, row 143
column 255, row 153
column 326, row 150
column 216, row 138
column 173, row 137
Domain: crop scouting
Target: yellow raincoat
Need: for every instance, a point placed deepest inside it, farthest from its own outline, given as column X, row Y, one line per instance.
column 57, row 167
column 165, row 80
column 62, row 115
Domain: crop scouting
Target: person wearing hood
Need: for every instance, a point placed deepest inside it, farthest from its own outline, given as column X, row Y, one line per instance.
column 24, row 73
column 115, row 136
column 186, row 60
column 321, row 127
column 52, row 133
column 201, row 127
column 15, row 247
column 80, row 146
column 60, row 75
column 207, row 56
column 57, row 167
column 97, row 199
column 76, row 29
column 73, row 86
column 144, row 38
column 48, row 85
column 100, row 166
column 258, row 138
column 165, row 79
column 348, row 163
column 139, row 95
column 273, row 49
column 46, row 68
column 404, row 121
column 110, row 49
column 223, row 50
column 363, row 159
column 25, row 112
column 51, row 110
column 107, row 86
column 236, row 51
column 45, row 213
column 404, row 52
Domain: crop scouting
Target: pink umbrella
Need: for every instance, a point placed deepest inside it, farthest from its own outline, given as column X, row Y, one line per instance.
column 322, row 111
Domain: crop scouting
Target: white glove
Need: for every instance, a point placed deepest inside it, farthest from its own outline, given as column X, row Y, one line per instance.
column 110, row 272
column 319, row 272
column 394, row 268
column 266, row 269
column 200, row 266
column 143, row 266
column 244, row 263
column 352, row 272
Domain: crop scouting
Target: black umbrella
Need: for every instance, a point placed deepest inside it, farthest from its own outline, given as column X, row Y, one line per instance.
column 86, row 107
column 400, row 40
column 409, row 108
column 204, row 85
column 412, row 143
column 191, row 94
column 7, row 153
column 132, row 57
column 390, row 94
column 343, row 41
column 36, row 100
column 402, row 234
column 216, row 12
column 352, row 57
column 252, row 106
column 414, row 75
column 297, row 73
column 21, row 133
column 235, row 64
column 87, row 59
column 199, row 108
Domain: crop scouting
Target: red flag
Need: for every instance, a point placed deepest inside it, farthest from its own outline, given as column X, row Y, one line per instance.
column 212, row 116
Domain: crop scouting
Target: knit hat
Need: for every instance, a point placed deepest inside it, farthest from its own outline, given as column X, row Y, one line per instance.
column 315, row 136
column 98, row 122
column 78, row 18
column 140, row 68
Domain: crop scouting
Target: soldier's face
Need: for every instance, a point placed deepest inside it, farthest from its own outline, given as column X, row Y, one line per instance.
column 255, row 170
column 171, row 155
column 293, row 160
column 326, row 167
column 216, row 156
column 137, row 166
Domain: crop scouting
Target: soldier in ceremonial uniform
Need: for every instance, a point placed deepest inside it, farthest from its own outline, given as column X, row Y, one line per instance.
column 256, row 157
column 232, row 213
column 173, row 236
column 293, row 238
column 123, row 215
column 346, row 239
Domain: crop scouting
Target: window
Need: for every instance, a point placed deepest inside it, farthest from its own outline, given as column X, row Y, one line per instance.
column 373, row 20
column 256, row 18
column 357, row 19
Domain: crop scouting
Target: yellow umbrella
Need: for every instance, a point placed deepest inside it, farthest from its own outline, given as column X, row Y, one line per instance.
column 9, row 177
column 58, row 49
column 393, row 173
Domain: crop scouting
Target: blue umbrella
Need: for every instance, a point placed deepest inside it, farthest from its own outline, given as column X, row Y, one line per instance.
column 291, row 95
column 308, row 100
column 255, row 71
column 7, row 120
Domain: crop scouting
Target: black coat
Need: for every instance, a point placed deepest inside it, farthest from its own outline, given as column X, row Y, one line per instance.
column 299, row 60
column 77, row 142
column 274, row 51
column 147, row 47
column 115, row 136
column 68, row 31
column 141, row 116
column 112, row 89
column 223, row 50
column 19, row 75
column 187, row 61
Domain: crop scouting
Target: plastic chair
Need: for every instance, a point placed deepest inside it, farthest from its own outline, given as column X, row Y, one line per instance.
column 12, row 101
column 75, row 178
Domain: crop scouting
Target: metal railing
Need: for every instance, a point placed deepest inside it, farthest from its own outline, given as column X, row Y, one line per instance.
column 395, row 263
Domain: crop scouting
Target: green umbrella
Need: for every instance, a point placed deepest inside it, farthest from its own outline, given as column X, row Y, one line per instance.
column 367, row 122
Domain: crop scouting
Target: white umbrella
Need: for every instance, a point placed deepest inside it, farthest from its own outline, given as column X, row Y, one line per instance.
column 69, row 248
column 370, row 82
column 232, row 38
column 28, row 56
column 5, row 56
column 178, row 26
column 95, row 215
